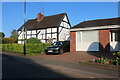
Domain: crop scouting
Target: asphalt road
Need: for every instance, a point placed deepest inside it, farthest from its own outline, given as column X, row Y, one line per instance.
column 17, row 66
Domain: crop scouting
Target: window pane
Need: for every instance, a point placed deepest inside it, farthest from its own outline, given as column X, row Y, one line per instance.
column 117, row 36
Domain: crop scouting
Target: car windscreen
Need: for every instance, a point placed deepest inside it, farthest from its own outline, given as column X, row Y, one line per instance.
column 57, row 43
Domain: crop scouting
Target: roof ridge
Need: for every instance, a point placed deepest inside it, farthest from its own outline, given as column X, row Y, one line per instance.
column 55, row 15
column 102, row 19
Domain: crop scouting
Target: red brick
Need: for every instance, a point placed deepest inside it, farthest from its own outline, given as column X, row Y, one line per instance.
column 104, row 40
column 72, row 41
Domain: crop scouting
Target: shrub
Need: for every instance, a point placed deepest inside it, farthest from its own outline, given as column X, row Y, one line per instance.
column 102, row 60
column 117, row 59
column 33, row 40
column 117, row 54
column 8, row 40
column 30, row 48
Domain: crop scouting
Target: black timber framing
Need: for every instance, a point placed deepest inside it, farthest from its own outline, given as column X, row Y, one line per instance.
column 20, row 33
column 68, row 20
column 61, row 30
column 36, row 33
column 51, row 35
column 45, row 35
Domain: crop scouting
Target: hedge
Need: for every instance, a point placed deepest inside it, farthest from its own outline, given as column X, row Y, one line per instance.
column 30, row 48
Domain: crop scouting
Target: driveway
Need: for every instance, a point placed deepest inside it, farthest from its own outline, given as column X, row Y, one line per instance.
column 48, row 66
column 72, row 57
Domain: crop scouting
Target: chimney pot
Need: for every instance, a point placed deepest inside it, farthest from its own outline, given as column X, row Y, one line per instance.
column 39, row 16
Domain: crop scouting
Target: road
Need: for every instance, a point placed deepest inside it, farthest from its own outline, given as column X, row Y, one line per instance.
column 18, row 66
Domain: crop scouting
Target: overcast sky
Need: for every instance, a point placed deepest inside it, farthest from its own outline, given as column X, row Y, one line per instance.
column 13, row 12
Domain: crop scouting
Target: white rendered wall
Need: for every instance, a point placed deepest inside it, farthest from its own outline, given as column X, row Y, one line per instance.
column 28, row 32
column 65, row 18
column 64, row 34
column 33, row 31
column 114, row 46
column 54, row 29
column 54, row 35
column 64, row 30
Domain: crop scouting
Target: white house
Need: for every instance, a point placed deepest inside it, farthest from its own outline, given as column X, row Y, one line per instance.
column 46, row 28
column 96, row 35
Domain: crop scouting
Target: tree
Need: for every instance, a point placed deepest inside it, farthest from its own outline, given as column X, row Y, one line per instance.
column 14, row 35
column 2, row 35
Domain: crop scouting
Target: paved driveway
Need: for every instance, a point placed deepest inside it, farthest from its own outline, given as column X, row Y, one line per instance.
column 73, row 57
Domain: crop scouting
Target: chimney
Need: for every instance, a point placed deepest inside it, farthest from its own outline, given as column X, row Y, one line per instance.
column 40, row 16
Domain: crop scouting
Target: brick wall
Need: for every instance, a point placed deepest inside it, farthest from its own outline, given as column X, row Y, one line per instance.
column 104, row 40
column 72, row 41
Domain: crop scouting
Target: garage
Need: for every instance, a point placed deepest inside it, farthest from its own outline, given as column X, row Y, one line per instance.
column 87, row 41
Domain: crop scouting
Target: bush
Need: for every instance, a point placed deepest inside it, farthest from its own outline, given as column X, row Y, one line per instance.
column 102, row 60
column 117, row 54
column 30, row 48
column 116, row 61
column 33, row 40
column 8, row 40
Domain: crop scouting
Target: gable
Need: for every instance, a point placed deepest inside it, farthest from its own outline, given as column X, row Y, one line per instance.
column 65, row 22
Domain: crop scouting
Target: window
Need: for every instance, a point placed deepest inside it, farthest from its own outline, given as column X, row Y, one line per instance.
column 115, row 36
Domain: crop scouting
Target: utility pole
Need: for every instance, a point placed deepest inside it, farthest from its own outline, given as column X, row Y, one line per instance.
column 24, row 32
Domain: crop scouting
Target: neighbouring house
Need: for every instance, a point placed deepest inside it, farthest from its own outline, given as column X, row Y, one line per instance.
column 96, row 35
column 46, row 28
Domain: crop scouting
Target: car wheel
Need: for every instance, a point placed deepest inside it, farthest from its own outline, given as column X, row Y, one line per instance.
column 61, row 51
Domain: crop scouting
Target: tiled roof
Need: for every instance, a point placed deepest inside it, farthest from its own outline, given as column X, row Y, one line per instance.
column 46, row 22
column 99, row 22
